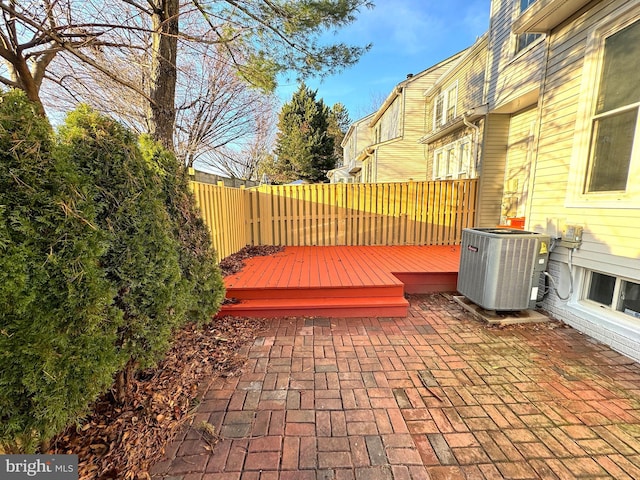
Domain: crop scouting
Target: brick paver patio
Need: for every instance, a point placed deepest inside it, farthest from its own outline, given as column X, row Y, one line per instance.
column 345, row 399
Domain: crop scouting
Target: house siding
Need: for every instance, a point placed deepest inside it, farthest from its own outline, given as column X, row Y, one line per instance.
column 492, row 170
column 610, row 234
column 520, row 147
column 468, row 76
column 510, row 75
column 472, row 75
column 404, row 158
column 358, row 137
column 607, row 230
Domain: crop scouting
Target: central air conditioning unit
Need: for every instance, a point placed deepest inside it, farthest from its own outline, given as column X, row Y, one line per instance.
column 500, row 268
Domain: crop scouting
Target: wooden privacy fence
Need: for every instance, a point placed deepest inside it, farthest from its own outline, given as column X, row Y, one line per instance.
column 412, row 213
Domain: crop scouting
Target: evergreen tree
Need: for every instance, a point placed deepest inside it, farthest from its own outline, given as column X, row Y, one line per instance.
column 304, row 146
column 141, row 259
column 58, row 324
column 339, row 123
column 102, row 255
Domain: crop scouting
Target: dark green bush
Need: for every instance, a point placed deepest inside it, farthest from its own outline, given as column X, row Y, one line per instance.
column 141, row 260
column 57, row 326
column 202, row 279
column 102, row 256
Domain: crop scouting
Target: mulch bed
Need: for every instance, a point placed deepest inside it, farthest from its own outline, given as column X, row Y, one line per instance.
column 123, row 441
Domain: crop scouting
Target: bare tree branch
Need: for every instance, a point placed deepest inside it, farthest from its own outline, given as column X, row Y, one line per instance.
column 9, row 83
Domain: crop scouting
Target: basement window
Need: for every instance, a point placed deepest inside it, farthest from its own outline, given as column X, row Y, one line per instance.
column 613, row 293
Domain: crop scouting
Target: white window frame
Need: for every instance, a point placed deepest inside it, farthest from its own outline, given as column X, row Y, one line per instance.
column 593, row 62
column 605, row 321
column 616, row 298
column 531, row 39
column 448, row 163
column 444, row 98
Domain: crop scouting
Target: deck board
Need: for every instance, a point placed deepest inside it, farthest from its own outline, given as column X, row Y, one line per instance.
column 343, row 266
column 322, row 279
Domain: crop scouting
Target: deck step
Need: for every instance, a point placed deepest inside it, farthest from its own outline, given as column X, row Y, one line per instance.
column 257, row 293
column 343, row 307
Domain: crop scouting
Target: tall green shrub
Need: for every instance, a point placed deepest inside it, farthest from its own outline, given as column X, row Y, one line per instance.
column 102, row 256
column 57, row 326
column 141, row 260
column 201, row 276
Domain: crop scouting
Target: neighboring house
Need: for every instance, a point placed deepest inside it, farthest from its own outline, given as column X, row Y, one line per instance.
column 214, row 179
column 340, row 175
column 455, row 113
column 355, row 142
column 394, row 153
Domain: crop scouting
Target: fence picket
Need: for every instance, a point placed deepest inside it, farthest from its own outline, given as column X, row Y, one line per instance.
column 412, row 213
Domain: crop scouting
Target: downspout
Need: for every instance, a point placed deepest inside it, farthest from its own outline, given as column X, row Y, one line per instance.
column 476, row 137
column 374, row 168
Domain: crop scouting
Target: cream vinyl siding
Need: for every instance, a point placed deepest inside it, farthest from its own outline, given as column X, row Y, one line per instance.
column 359, row 137
column 471, row 81
column 349, row 150
column 390, row 124
column 491, row 175
column 468, row 79
column 404, row 158
column 610, row 235
column 468, row 76
column 509, row 76
column 520, row 145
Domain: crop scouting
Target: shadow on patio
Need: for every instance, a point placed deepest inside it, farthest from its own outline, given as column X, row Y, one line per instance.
column 436, row 395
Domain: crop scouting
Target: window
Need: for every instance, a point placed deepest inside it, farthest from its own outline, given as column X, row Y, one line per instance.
column 613, row 293
column 453, row 161
column 526, row 39
column 438, row 111
column 464, row 165
column 606, row 150
column 439, row 166
column 445, row 106
column 524, row 4
column 367, row 177
column 615, row 119
column 452, row 97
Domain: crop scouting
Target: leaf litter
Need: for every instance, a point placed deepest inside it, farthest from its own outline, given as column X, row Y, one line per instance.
column 123, row 441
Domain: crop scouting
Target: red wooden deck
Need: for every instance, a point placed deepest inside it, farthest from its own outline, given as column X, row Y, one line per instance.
column 340, row 281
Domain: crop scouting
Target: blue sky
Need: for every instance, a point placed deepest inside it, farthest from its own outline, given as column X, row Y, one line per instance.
column 408, row 36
